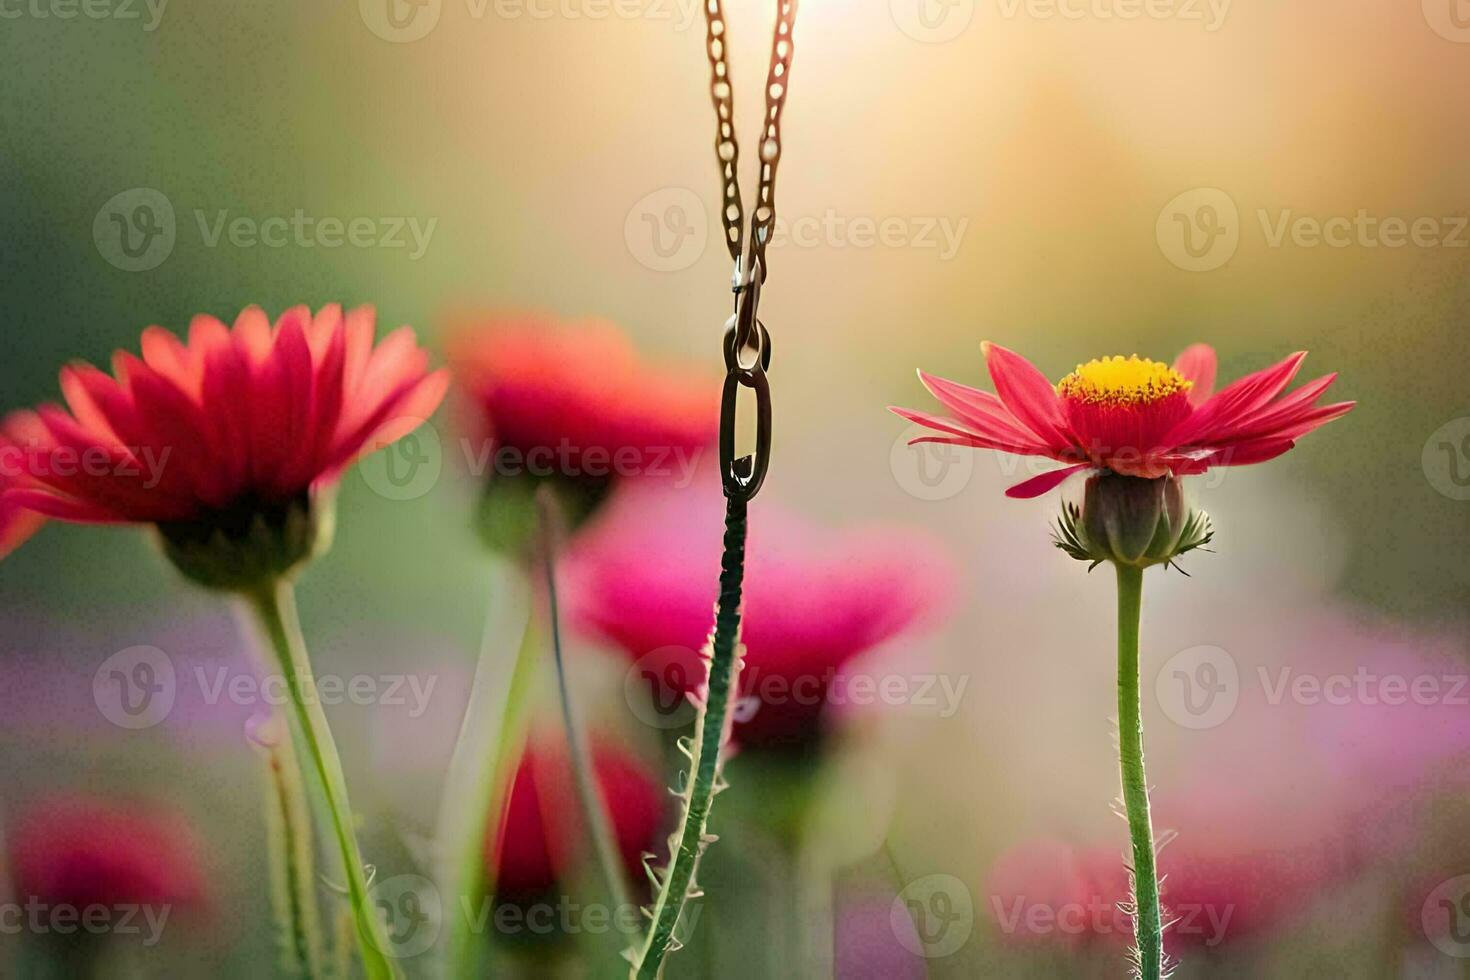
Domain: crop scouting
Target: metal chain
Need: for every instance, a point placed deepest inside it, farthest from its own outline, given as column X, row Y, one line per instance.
column 747, row 343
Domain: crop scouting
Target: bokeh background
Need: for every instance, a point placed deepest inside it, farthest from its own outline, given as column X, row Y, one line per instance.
column 1036, row 170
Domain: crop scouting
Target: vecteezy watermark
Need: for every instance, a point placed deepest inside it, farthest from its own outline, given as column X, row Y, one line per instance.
column 413, row 912
column 149, row 12
column 302, row 230
column 933, row 916
column 1446, row 459
column 96, row 919
column 1445, row 917
column 1201, row 686
column 139, row 686
column 668, row 230
column 1198, row 687
column 932, row 21
column 136, row 230
column 405, row 21
column 144, row 463
column 655, row 687
column 1099, row 915
column 1210, row 14
column 1200, row 230
column 1450, row 19
column 411, row 461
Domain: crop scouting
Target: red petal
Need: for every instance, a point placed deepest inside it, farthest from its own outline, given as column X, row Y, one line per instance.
column 981, row 411
column 1028, row 395
column 978, row 440
column 1198, row 364
column 1038, row 485
column 1235, row 402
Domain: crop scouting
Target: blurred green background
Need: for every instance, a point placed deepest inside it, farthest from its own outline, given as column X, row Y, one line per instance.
column 535, row 151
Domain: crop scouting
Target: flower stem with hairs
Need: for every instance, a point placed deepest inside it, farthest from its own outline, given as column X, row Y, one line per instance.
column 687, row 844
column 275, row 607
column 1147, row 919
column 288, row 831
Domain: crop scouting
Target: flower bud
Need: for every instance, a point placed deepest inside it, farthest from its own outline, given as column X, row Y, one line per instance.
column 249, row 547
column 1131, row 521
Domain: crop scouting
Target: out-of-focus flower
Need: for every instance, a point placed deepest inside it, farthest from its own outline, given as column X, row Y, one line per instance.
column 222, row 440
column 813, row 601
column 17, row 523
column 542, row 830
column 80, row 851
column 1131, row 416
column 573, row 404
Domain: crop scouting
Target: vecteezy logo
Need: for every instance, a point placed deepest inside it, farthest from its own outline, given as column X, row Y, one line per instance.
column 135, row 230
column 408, row 465
column 930, row 470
column 135, row 688
column 1198, row 687
column 1199, row 230
column 654, row 687
column 1445, row 916
column 1450, row 19
column 933, row 916
column 400, row 21
column 666, row 231
column 932, row 21
column 412, row 913
column 1446, row 459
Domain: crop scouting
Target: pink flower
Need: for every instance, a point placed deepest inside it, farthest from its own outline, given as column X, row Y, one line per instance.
column 575, row 399
column 16, row 522
column 79, row 851
column 1130, row 415
column 814, row 600
column 542, row 828
column 233, row 420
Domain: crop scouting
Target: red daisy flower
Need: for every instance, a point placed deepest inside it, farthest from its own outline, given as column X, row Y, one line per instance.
column 627, row 582
column 78, row 851
column 541, row 830
column 1130, row 416
column 575, row 399
column 234, row 427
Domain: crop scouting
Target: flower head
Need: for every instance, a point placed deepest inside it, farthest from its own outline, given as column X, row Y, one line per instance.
column 1130, row 416
column 80, row 851
column 535, row 843
column 220, row 441
column 814, row 601
column 573, row 404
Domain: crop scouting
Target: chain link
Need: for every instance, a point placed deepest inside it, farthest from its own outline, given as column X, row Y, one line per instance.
column 747, row 343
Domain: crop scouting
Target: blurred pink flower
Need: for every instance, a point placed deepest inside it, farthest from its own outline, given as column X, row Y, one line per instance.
column 578, row 394
column 1129, row 415
column 814, row 600
column 78, row 851
column 542, row 828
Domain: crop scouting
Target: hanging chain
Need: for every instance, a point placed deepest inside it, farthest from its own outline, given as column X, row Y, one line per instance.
column 747, row 343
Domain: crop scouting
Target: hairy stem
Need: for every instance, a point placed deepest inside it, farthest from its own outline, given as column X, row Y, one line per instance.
column 1147, row 919
column 711, row 725
column 604, row 841
column 275, row 607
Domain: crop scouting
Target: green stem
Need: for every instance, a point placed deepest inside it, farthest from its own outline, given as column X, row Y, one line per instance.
column 1147, row 919
column 293, row 886
column 594, row 811
column 275, row 606
column 724, row 669
column 491, row 738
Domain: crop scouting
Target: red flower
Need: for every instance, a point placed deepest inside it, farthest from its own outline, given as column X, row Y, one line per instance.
column 542, row 829
column 575, row 399
column 16, row 522
column 78, row 851
column 813, row 601
column 1132, row 416
column 240, row 418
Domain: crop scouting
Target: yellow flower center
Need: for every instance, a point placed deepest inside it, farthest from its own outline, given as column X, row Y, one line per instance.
column 1122, row 380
